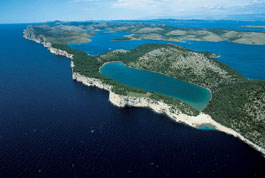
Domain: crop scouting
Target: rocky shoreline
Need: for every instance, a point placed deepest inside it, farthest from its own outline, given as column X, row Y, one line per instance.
column 161, row 108
column 29, row 35
column 157, row 106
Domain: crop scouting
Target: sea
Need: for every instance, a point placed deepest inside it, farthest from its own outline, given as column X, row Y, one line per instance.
column 52, row 126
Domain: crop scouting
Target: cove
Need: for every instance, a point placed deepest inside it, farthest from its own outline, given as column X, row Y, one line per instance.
column 206, row 127
column 196, row 96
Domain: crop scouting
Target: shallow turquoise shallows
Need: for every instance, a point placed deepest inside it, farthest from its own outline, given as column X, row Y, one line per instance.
column 195, row 96
column 206, row 127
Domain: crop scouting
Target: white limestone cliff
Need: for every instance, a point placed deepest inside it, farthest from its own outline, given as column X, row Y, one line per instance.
column 157, row 106
column 28, row 34
column 162, row 108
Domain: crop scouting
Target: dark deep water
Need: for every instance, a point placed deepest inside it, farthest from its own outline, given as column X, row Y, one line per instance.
column 51, row 126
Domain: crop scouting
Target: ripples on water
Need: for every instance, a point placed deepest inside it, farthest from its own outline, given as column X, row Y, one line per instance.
column 51, row 126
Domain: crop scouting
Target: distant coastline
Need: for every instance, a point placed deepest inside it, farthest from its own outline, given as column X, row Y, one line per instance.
column 159, row 107
column 253, row 26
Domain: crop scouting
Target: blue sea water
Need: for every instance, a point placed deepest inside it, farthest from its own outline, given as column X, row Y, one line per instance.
column 191, row 94
column 249, row 60
column 51, row 126
column 221, row 24
column 103, row 41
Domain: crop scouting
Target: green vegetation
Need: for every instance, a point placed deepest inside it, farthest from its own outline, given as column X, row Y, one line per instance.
column 76, row 32
column 89, row 66
column 241, row 106
column 236, row 102
column 214, row 35
column 122, row 39
column 163, row 32
column 61, row 34
column 177, row 62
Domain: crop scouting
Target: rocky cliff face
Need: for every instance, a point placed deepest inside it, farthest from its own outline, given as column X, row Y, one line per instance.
column 161, row 108
column 91, row 81
column 30, row 35
column 157, row 106
column 122, row 101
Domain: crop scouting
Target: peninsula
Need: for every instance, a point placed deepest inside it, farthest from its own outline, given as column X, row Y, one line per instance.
column 237, row 104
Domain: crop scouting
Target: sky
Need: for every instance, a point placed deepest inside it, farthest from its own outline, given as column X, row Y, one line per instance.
column 28, row 11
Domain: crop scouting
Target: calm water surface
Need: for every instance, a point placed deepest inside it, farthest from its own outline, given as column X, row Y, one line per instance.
column 51, row 126
column 249, row 60
column 222, row 24
column 193, row 95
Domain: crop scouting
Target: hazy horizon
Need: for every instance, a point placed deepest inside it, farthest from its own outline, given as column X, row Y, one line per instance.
column 37, row 11
column 136, row 20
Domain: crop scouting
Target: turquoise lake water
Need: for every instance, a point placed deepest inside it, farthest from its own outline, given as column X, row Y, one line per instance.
column 191, row 94
column 52, row 126
column 249, row 60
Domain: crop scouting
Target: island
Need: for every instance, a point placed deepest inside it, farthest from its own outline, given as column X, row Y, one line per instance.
column 253, row 26
column 236, row 106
